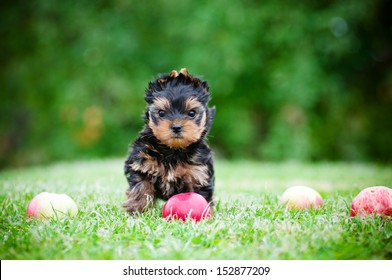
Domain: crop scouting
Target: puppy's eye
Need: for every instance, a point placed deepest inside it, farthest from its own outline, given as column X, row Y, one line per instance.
column 161, row 113
column 192, row 113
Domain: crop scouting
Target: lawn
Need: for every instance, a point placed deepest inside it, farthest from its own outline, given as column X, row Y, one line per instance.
column 248, row 222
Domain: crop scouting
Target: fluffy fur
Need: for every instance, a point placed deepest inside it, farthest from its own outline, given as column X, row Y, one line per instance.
column 171, row 155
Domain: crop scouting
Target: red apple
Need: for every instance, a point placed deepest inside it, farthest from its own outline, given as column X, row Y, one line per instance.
column 301, row 197
column 372, row 200
column 47, row 205
column 185, row 206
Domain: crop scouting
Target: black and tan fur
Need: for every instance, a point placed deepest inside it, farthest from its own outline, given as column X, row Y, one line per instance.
column 171, row 155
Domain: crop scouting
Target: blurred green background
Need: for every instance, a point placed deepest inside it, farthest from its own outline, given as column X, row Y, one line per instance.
column 291, row 80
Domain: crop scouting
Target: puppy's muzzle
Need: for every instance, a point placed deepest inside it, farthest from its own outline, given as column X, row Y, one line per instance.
column 176, row 128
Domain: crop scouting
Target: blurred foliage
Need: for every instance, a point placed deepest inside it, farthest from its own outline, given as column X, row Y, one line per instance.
column 303, row 80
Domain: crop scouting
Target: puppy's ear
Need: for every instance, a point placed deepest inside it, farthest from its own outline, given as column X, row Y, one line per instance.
column 146, row 116
column 205, row 86
column 148, row 98
column 210, row 117
column 150, row 89
column 211, row 113
column 157, row 85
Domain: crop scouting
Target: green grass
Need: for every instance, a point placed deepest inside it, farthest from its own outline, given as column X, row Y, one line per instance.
column 248, row 222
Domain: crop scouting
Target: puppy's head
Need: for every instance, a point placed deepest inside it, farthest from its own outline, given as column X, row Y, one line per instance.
column 177, row 111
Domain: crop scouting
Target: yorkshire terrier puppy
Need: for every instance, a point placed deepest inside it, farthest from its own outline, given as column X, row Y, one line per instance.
column 171, row 155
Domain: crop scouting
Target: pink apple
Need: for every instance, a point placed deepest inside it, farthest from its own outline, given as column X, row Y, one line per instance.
column 47, row 205
column 185, row 206
column 301, row 197
column 372, row 200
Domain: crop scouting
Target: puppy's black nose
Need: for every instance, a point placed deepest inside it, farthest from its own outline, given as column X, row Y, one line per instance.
column 176, row 128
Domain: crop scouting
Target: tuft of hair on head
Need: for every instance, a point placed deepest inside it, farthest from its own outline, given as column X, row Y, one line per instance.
column 174, row 74
column 184, row 72
column 172, row 79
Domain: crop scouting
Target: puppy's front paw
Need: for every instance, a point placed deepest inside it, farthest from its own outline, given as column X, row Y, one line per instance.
column 137, row 204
